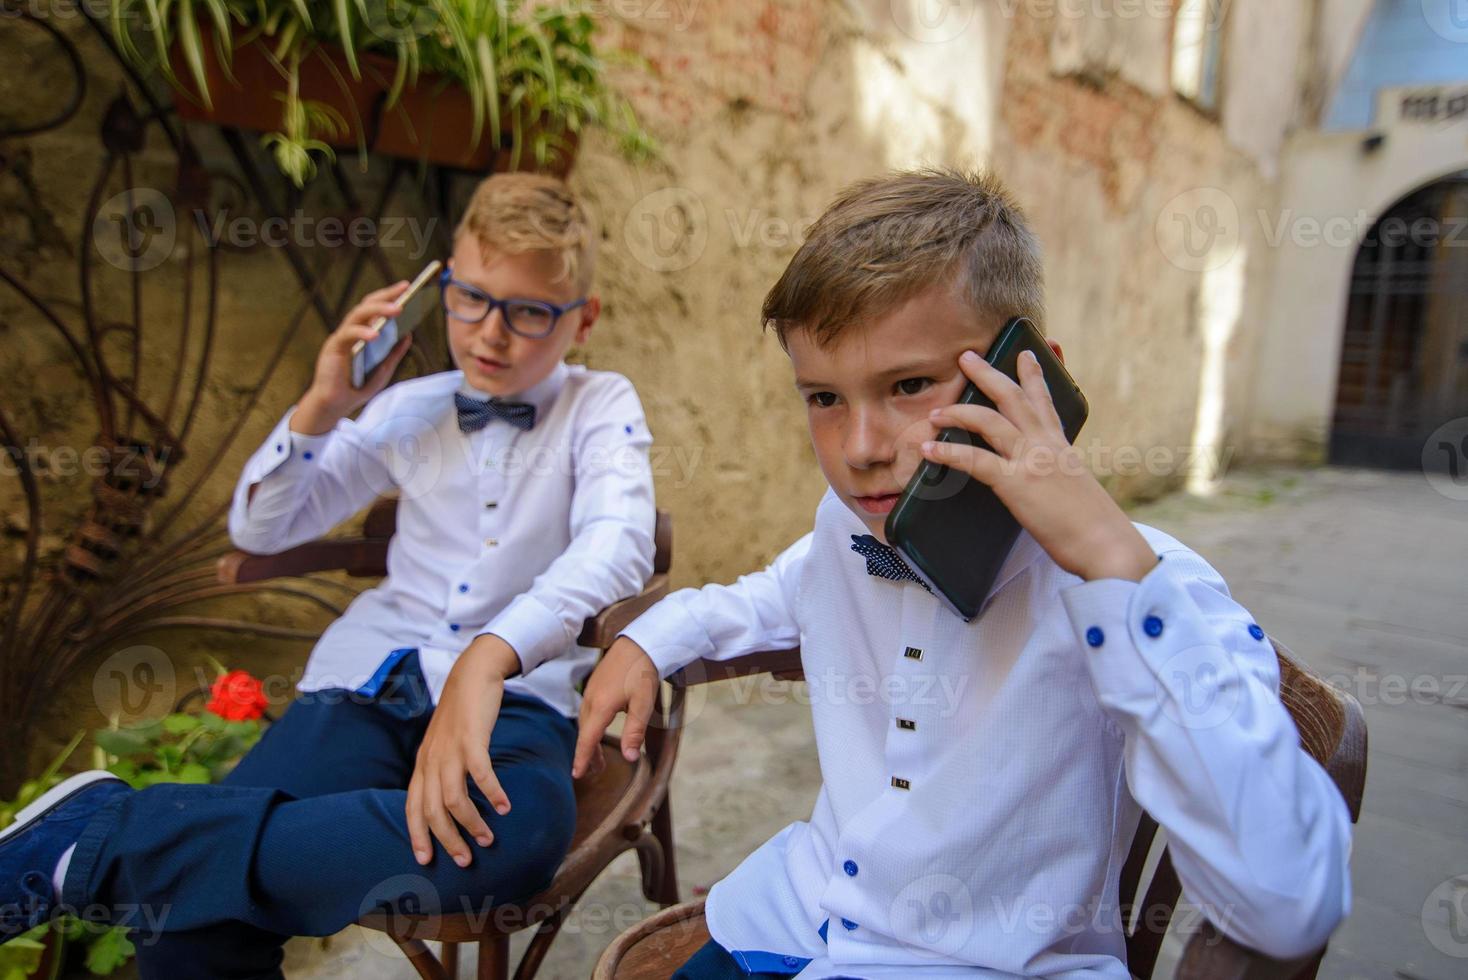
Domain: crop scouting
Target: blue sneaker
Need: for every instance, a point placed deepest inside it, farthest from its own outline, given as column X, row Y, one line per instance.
column 31, row 847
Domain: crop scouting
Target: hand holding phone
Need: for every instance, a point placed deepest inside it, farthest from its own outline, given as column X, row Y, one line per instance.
column 1005, row 461
column 954, row 523
column 332, row 394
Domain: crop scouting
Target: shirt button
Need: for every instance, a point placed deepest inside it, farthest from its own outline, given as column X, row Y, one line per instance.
column 850, row 868
column 463, row 587
column 491, row 504
column 1095, row 637
column 1255, row 631
column 280, row 447
column 491, row 542
column 791, row 961
column 848, row 924
column 309, row 454
column 454, row 627
column 1152, row 626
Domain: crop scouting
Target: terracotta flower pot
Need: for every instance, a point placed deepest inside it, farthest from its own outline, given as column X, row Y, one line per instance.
column 433, row 120
column 254, row 100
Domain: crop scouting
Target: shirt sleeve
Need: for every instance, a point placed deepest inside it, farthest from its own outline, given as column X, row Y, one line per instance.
column 613, row 517
column 1259, row 834
column 307, row 485
column 721, row 622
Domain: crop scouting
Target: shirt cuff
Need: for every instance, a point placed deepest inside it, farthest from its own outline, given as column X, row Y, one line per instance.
column 286, row 450
column 532, row 630
column 671, row 637
column 1149, row 644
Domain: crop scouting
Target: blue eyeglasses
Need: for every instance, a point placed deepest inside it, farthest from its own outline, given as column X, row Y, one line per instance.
column 530, row 318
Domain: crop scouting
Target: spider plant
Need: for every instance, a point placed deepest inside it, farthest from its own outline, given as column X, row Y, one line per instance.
column 531, row 70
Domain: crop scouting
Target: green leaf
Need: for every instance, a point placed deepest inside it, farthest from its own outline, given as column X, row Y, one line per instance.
column 490, row 72
column 180, row 724
column 109, row 951
column 192, row 46
column 344, row 28
column 121, row 742
column 21, row 957
column 193, row 772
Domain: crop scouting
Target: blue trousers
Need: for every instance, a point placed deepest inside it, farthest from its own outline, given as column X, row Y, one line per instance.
column 309, row 833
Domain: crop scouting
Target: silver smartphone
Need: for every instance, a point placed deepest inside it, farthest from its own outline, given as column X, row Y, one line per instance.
column 417, row 302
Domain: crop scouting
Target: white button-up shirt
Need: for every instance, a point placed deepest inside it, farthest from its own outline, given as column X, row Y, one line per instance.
column 982, row 781
column 520, row 534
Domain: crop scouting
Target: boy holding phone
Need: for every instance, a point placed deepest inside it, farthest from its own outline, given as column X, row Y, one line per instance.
column 976, row 810
column 442, row 704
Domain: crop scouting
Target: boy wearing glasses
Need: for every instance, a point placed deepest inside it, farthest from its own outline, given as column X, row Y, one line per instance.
column 442, row 704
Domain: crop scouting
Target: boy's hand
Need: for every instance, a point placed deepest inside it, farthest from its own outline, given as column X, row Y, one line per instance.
column 625, row 680
column 455, row 748
column 1039, row 476
column 331, row 396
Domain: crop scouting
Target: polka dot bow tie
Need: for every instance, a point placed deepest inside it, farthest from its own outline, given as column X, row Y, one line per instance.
column 883, row 560
column 476, row 413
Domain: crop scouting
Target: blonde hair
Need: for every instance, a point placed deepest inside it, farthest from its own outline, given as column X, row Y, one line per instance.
column 886, row 239
column 514, row 213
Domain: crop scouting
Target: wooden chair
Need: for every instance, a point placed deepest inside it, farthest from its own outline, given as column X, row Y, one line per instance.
column 1332, row 729
column 623, row 808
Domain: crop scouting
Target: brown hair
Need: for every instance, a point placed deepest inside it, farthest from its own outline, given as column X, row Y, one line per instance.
column 521, row 212
column 886, row 239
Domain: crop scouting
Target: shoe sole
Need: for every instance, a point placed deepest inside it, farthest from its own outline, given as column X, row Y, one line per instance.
column 54, row 797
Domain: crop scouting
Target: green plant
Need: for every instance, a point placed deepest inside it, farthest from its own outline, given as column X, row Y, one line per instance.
column 182, row 747
column 533, row 67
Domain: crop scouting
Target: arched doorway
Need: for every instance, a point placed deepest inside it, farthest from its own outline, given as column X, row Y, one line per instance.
column 1404, row 358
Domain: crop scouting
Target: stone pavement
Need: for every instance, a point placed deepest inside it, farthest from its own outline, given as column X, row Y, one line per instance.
column 1360, row 573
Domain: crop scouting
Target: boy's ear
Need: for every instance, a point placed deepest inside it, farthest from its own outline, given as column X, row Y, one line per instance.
column 589, row 314
column 1055, row 346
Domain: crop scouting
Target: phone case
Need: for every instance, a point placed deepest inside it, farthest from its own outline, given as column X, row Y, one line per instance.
column 953, row 530
column 367, row 355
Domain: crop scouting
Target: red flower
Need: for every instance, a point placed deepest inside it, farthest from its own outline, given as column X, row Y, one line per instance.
column 236, row 696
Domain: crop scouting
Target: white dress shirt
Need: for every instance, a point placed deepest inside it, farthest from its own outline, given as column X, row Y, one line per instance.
column 520, row 534
column 982, row 781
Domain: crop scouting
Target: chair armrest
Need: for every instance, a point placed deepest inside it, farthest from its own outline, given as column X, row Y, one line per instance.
column 784, row 664
column 1210, row 955
column 600, row 630
column 363, row 557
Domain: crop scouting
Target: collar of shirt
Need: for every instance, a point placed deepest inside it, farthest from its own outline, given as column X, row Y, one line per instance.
column 1024, row 553
column 541, row 394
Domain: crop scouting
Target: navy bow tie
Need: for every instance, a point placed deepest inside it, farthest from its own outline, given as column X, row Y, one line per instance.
column 883, row 560
column 476, row 413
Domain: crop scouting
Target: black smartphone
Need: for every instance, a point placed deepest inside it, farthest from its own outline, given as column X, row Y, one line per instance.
column 952, row 529
column 417, row 300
